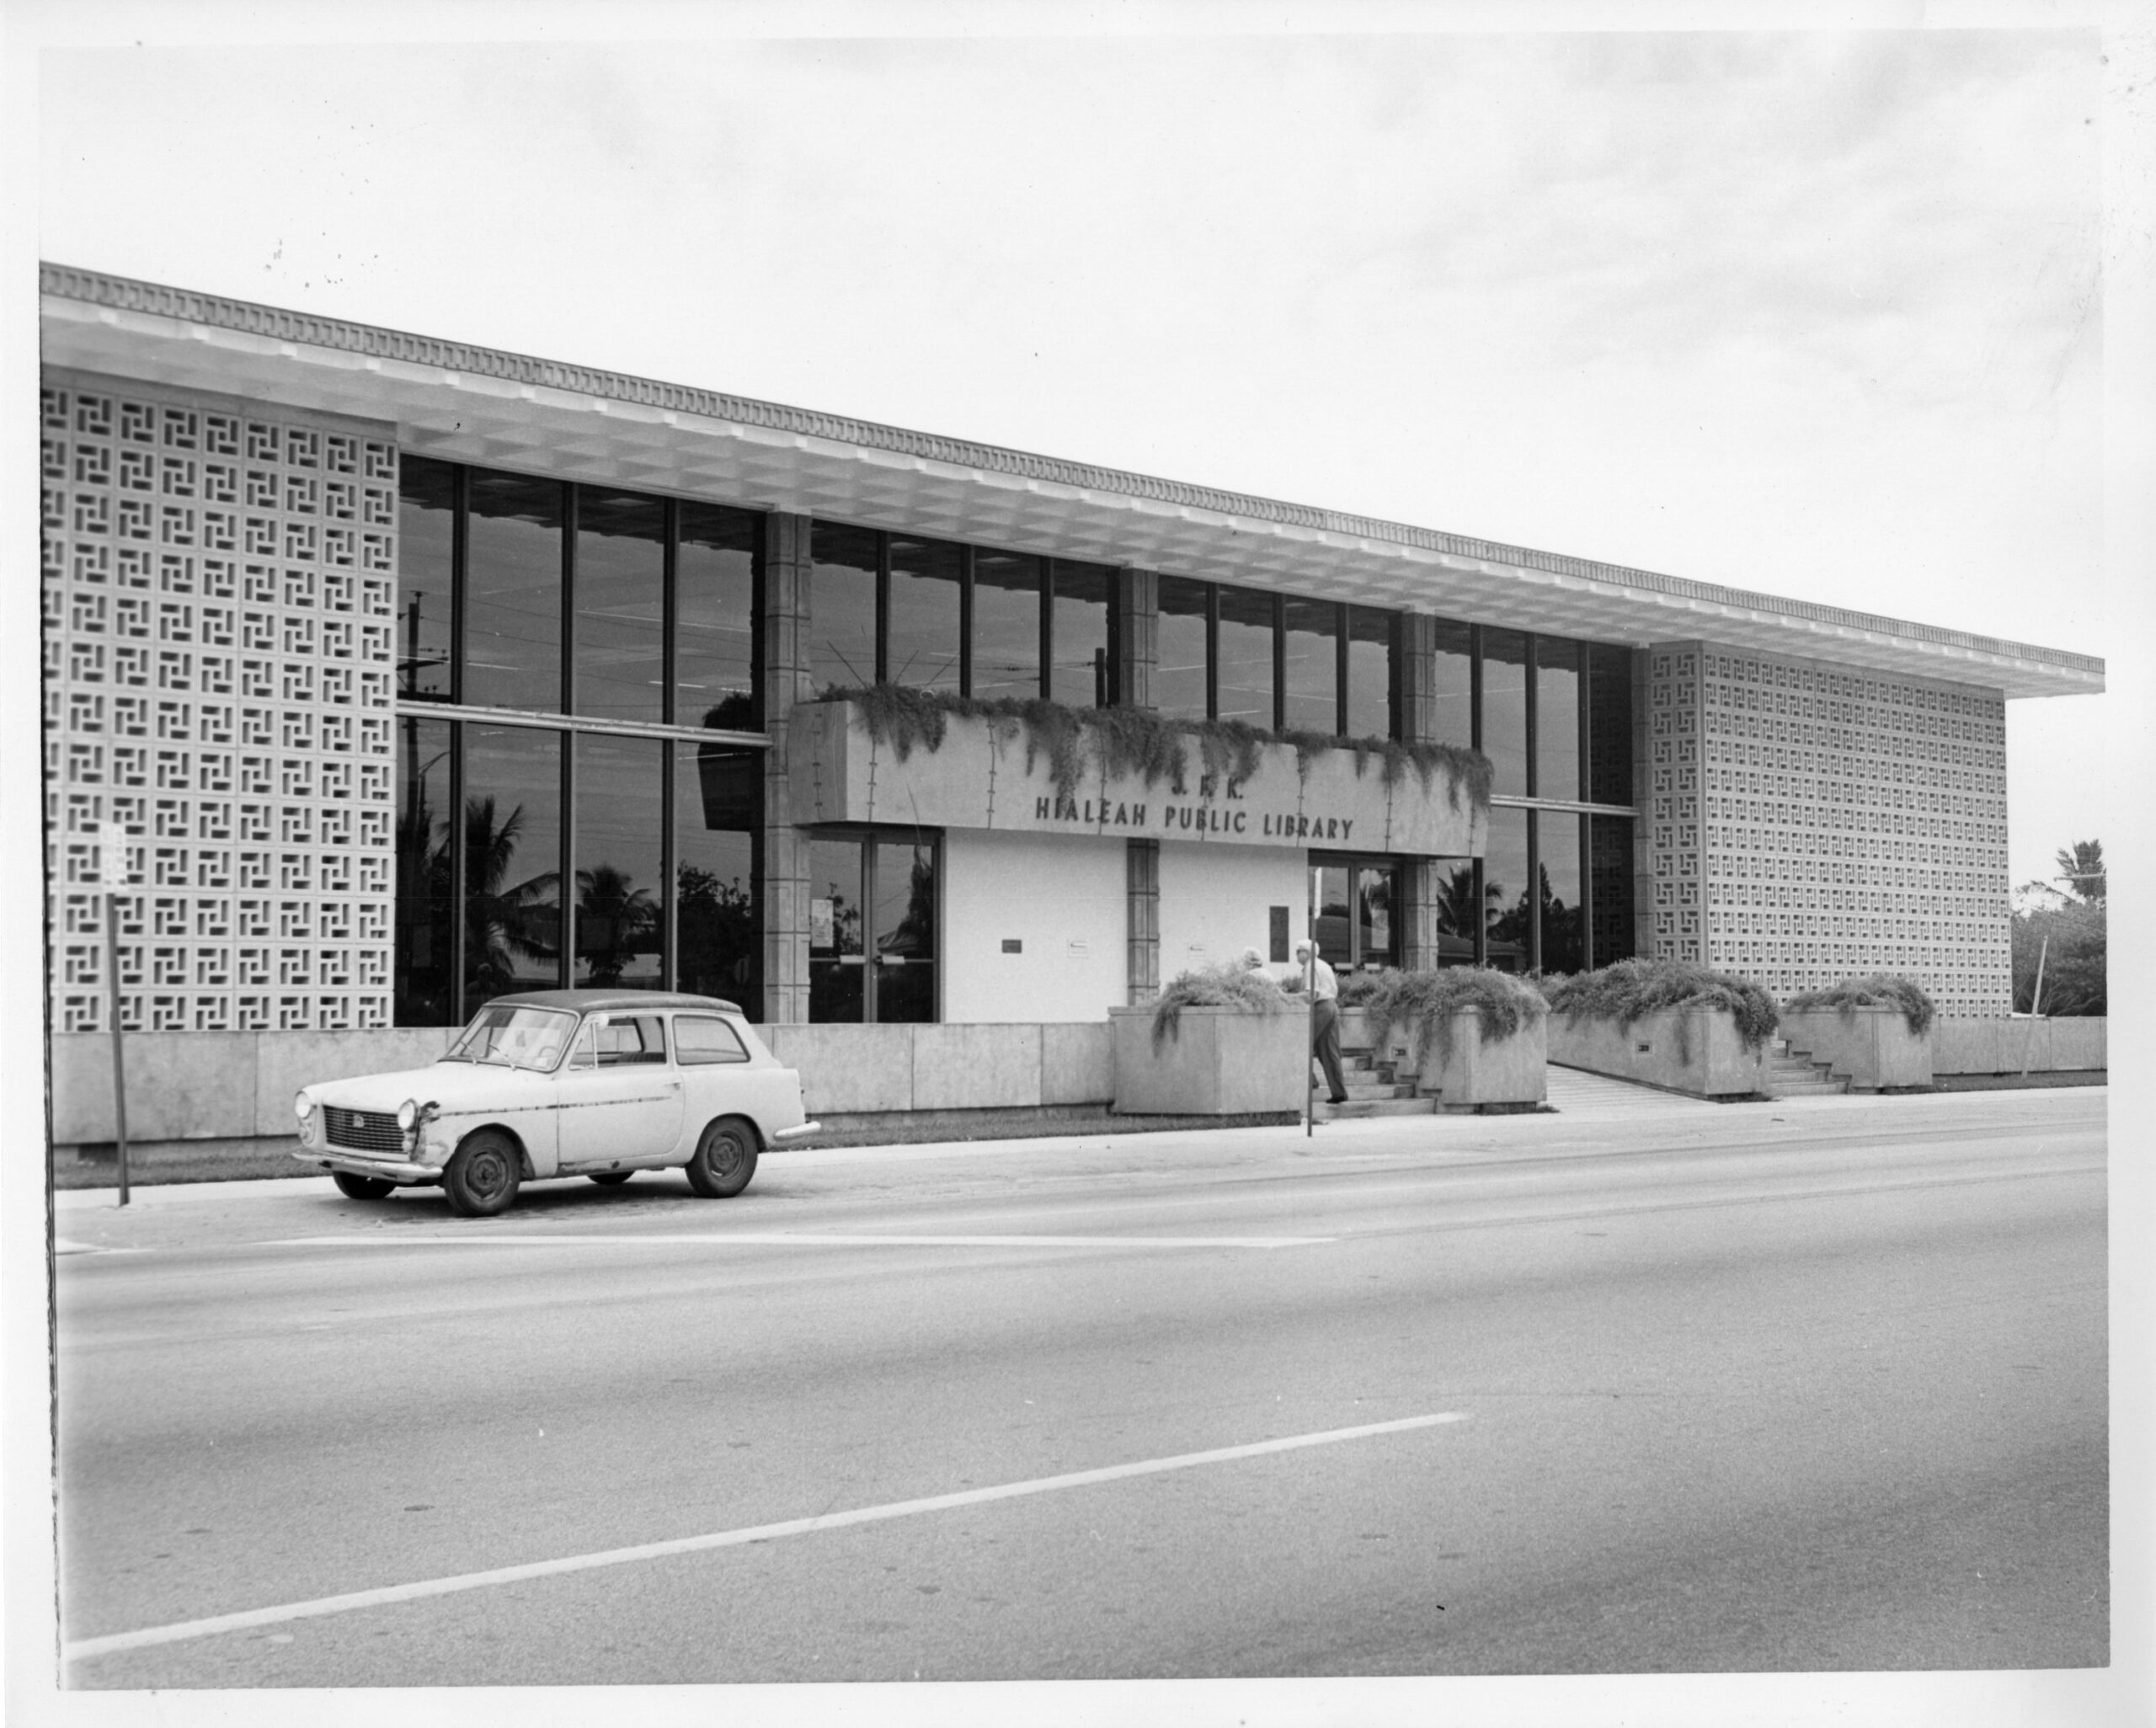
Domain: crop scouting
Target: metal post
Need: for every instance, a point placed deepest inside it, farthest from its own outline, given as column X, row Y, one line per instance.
column 1309, row 998
column 2035, row 1002
column 119, row 1062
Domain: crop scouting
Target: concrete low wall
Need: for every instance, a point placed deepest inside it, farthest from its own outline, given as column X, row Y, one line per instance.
column 239, row 1085
column 1872, row 1048
column 1696, row 1050
column 1220, row 1062
column 2005, row 1046
column 216, row 1086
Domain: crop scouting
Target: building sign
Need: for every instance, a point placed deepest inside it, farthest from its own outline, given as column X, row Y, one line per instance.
column 980, row 778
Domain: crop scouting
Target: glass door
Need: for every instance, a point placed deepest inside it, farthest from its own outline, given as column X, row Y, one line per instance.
column 1353, row 904
column 872, row 929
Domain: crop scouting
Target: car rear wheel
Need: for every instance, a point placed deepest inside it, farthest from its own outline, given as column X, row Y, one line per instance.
column 725, row 1160
column 481, row 1180
column 359, row 1187
column 610, row 1178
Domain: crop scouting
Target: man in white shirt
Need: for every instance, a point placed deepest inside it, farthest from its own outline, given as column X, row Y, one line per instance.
column 1324, row 1017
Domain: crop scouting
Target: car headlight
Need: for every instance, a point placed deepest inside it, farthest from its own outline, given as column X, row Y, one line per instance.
column 303, row 1106
column 408, row 1115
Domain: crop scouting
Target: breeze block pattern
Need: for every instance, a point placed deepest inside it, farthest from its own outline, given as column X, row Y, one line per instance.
column 1807, row 822
column 220, row 592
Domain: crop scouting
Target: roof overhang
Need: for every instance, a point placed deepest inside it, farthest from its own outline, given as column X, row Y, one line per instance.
column 472, row 404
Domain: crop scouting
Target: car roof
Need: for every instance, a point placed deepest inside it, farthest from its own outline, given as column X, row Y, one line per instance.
column 586, row 1001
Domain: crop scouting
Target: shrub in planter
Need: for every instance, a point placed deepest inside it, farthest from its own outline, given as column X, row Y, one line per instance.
column 1671, row 1023
column 1215, row 1042
column 1876, row 1031
column 1505, row 1063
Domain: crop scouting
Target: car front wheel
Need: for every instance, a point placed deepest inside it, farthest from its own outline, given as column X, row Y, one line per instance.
column 725, row 1160
column 481, row 1180
column 359, row 1187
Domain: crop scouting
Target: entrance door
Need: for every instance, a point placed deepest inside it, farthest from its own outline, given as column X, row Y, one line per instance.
column 1353, row 904
column 873, row 942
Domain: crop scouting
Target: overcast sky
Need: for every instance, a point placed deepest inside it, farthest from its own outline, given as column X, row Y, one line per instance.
column 1816, row 313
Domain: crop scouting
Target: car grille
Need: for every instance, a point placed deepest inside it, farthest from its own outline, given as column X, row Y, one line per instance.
column 362, row 1131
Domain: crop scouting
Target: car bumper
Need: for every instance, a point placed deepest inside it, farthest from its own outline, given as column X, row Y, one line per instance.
column 391, row 1170
column 795, row 1134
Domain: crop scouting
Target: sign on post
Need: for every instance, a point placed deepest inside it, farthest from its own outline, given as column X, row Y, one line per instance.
column 112, row 880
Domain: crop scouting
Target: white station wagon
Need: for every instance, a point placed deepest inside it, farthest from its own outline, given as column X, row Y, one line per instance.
column 557, row 1083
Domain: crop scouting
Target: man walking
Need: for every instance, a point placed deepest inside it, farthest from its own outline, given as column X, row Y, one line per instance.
column 1324, row 1018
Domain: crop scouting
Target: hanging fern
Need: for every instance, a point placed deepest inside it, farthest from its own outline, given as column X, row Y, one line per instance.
column 1124, row 742
column 1877, row 989
column 1632, row 989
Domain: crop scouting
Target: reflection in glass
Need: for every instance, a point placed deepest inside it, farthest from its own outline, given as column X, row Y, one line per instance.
column 837, row 986
column 1331, row 924
column 718, row 795
column 1179, row 674
column 1504, row 711
column 1084, row 594
column 922, row 653
column 1557, row 844
column 1457, row 915
column 1376, row 936
column 512, row 861
column 620, row 600
column 715, row 619
column 1505, row 903
column 1610, row 864
column 842, row 606
column 1557, row 718
column 619, row 821
column 1609, row 728
column 1370, row 672
column 513, row 593
column 905, row 932
column 1246, row 657
column 1006, row 626
column 1312, row 701
column 425, row 516
column 424, row 905
column 1452, row 684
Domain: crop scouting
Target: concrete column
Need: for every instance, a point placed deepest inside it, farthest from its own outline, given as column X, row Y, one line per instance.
column 1138, row 603
column 785, row 650
column 1419, row 878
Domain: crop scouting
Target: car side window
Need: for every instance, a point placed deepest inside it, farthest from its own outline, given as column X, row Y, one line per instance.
column 700, row 1039
column 625, row 1038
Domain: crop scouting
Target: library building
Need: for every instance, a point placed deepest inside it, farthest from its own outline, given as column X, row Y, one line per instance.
column 419, row 672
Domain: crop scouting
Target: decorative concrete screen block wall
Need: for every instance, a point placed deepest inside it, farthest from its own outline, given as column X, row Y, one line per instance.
column 220, row 586
column 1807, row 822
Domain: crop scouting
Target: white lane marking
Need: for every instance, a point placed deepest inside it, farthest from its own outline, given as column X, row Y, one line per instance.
column 216, row 1624
column 768, row 1240
column 61, row 1245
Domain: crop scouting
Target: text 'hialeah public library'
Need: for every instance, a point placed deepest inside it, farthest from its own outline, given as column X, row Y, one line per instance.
column 421, row 672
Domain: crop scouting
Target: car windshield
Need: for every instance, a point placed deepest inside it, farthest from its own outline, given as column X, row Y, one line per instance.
column 515, row 1038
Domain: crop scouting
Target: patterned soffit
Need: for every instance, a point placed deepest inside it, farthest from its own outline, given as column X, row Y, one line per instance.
column 466, row 403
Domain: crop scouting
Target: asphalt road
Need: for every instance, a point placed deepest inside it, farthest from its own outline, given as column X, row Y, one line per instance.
column 1812, row 1386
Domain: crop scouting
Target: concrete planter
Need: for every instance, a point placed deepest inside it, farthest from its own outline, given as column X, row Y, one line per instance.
column 1470, row 1072
column 1222, row 1063
column 1873, row 1048
column 1695, row 1050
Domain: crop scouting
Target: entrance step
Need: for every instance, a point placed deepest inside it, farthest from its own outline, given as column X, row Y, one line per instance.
column 1358, row 1109
column 1794, row 1074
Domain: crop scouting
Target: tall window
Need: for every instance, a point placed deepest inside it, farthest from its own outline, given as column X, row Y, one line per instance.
column 1180, row 637
column 1081, row 625
column 923, row 648
column 1310, row 701
column 1372, row 650
column 1557, row 718
column 1452, row 684
column 1245, row 657
column 529, row 856
column 1006, row 625
column 1504, row 708
column 513, row 593
column 842, row 605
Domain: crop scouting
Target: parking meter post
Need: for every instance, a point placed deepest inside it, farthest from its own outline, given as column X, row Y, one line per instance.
column 119, row 1060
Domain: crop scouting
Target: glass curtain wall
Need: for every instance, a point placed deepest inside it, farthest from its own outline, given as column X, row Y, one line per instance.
column 619, row 619
column 426, row 960
column 1557, row 718
column 1006, row 643
column 1452, row 684
column 1081, row 623
column 1371, row 652
column 491, row 816
column 1561, row 932
column 1504, row 709
column 842, row 606
column 715, row 618
column 1244, row 657
column 1181, row 636
column 1310, row 700
column 1506, row 891
column 512, row 592
column 512, row 861
column 426, row 524
column 619, row 905
column 922, row 649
